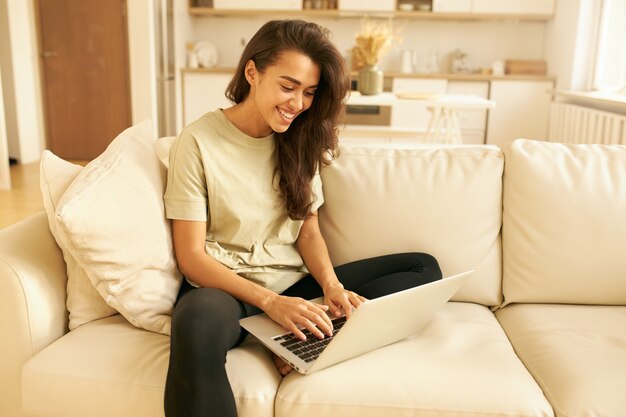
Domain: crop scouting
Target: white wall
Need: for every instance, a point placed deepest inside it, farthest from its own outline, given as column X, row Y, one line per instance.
column 483, row 41
column 22, row 92
column 8, row 90
column 5, row 173
column 561, row 42
column 142, row 61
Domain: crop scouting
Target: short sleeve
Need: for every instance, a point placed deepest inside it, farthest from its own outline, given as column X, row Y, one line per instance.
column 186, row 192
column 317, row 194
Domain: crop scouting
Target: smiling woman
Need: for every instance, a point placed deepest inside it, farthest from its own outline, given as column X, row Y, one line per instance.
column 276, row 98
column 243, row 193
column 314, row 129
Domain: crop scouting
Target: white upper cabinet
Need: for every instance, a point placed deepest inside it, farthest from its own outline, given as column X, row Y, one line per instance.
column 257, row 5
column 367, row 5
column 441, row 9
column 452, row 6
column 523, row 7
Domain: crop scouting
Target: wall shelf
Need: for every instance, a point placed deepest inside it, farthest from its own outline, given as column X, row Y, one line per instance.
column 340, row 14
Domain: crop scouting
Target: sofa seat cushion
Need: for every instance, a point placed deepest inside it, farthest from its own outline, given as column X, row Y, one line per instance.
column 576, row 353
column 460, row 364
column 110, row 368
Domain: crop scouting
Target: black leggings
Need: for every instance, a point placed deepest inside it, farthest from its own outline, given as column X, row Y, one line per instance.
column 205, row 326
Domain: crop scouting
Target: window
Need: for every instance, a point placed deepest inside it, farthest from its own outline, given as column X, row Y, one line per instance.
column 610, row 69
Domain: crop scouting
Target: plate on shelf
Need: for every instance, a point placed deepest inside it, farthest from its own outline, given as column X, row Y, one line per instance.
column 206, row 53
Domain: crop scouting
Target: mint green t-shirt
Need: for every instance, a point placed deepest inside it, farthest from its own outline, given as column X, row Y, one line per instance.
column 220, row 175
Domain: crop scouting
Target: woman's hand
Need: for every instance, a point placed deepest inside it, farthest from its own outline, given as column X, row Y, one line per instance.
column 291, row 312
column 338, row 298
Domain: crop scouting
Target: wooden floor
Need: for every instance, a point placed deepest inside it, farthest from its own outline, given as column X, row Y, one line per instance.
column 23, row 199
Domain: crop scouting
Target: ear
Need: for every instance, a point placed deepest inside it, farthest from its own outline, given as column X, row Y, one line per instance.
column 251, row 72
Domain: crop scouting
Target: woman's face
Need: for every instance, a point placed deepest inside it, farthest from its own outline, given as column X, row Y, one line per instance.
column 283, row 91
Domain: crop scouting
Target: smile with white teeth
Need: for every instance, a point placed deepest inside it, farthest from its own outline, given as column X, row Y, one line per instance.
column 288, row 116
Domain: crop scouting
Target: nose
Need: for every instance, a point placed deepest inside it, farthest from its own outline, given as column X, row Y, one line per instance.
column 296, row 102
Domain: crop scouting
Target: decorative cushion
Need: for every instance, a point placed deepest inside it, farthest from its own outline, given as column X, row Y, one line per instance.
column 83, row 301
column 445, row 201
column 163, row 147
column 111, row 219
column 564, row 229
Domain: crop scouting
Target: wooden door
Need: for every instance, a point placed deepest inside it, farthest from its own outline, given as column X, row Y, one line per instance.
column 85, row 74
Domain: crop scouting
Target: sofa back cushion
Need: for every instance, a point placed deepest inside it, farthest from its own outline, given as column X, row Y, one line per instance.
column 564, row 230
column 445, row 201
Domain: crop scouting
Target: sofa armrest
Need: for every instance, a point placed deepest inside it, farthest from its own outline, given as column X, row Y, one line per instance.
column 32, row 301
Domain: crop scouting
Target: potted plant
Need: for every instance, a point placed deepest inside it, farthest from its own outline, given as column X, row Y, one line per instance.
column 372, row 42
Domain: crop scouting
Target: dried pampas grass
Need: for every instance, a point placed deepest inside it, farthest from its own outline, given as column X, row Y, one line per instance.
column 375, row 38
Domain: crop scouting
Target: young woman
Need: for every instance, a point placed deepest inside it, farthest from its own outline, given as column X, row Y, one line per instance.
column 243, row 192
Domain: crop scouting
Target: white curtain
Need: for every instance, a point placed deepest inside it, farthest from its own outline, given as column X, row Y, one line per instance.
column 610, row 65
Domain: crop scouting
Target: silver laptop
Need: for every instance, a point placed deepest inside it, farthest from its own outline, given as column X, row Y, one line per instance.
column 376, row 323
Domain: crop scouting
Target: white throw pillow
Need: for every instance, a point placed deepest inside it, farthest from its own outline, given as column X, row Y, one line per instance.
column 83, row 301
column 163, row 146
column 112, row 220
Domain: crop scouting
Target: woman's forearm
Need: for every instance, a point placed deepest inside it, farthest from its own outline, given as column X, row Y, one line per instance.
column 314, row 252
column 208, row 272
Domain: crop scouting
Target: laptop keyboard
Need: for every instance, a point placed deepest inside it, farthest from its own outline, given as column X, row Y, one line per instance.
column 310, row 349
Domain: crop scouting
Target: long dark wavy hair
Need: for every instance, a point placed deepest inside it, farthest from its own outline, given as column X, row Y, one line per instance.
column 312, row 137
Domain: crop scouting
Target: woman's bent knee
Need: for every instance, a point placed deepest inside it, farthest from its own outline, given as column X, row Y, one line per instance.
column 206, row 317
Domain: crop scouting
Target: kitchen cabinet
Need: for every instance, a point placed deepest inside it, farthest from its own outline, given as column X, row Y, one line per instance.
column 456, row 6
column 203, row 92
column 522, row 7
column 257, row 5
column 473, row 123
column 541, row 10
column 522, row 111
column 522, row 107
column 367, row 5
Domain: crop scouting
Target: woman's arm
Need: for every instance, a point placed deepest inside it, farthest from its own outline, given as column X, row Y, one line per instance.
column 314, row 252
column 193, row 261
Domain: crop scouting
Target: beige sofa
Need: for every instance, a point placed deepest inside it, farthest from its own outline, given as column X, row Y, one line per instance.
column 540, row 330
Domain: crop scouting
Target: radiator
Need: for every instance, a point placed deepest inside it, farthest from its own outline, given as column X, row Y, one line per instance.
column 570, row 123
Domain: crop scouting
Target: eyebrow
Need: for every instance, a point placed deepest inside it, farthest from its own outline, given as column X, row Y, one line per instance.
column 293, row 80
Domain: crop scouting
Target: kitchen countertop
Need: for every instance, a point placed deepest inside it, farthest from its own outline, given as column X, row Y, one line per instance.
column 396, row 74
